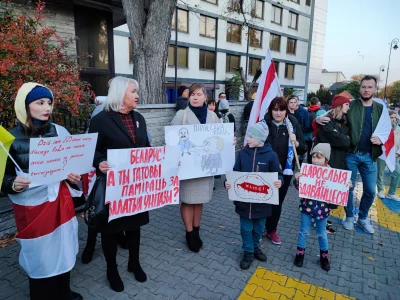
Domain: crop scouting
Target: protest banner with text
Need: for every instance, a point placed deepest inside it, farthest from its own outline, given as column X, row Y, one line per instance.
column 141, row 179
column 253, row 187
column 52, row 159
column 324, row 184
column 205, row 149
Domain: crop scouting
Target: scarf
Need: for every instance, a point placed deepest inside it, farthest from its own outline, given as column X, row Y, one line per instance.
column 200, row 112
column 289, row 161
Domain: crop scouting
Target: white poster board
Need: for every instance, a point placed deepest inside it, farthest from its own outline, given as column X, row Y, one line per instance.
column 204, row 149
column 253, row 187
column 141, row 179
column 52, row 159
column 324, row 184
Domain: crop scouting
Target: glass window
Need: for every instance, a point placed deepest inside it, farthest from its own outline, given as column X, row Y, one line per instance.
column 291, row 46
column 276, row 64
column 92, row 43
column 182, row 56
column 255, row 38
column 234, row 5
column 308, row 2
column 207, row 26
column 275, row 42
column 206, row 59
column 211, row 1
column 276, row 15
column 183, row 20
column 295, row 1
column 254, row 64
column 289, row 71
column 293, row 18
column 232, row 63
column 234, row 33
column 257, row 9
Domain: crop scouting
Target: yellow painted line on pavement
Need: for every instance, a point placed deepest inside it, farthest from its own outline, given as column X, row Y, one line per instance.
column 378, row 212
column 270, row 285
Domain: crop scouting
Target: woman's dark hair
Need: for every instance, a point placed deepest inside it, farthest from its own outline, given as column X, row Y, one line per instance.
column 31, row 129
column 279, row 102
column 211, row 101
column 181, row 89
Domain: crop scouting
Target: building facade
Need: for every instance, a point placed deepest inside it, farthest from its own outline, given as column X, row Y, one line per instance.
column 213, row 40
column 328, row 78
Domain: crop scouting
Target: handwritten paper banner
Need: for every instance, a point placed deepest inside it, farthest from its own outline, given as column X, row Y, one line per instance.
column 324, row 184
column 141, row 179
column 205, row 149
column 52, row 159
column 253, row 187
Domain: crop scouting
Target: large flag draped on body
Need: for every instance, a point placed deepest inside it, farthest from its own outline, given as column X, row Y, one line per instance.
column 385, row 133
column 268, row 89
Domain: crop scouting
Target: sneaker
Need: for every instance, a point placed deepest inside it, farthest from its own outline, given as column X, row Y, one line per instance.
column 393, row 197
column 348, row 224
column 324, row 260
column 246, row 260
column 259, row 255
column 329, row 229
column 381, row 195
column 365, row 225
column 274, row 238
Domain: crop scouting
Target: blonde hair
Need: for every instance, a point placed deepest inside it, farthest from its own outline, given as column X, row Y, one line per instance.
column 116, row 92
column 337, row 112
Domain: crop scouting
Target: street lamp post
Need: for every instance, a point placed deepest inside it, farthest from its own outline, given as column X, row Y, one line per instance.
column 395, row 47
column 381, row 69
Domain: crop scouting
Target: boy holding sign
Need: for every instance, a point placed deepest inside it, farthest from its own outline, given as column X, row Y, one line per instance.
column 314, row 209
column 255, row 157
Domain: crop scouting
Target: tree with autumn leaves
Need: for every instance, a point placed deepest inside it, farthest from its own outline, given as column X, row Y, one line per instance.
column 32, row 53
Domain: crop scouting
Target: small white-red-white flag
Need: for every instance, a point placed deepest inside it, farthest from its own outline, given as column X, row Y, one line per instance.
column 268, row 89
column 384, row 131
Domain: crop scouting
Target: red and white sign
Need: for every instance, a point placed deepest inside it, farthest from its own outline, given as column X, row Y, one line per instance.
column 141, row 179
column 253, row 187
column 52, row 159
column 324, row 184
column 268, row 89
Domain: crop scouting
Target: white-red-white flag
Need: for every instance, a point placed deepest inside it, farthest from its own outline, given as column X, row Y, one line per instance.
column 268, row 89
column 384, row 131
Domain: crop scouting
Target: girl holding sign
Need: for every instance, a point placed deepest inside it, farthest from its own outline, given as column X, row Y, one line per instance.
column 120, row 127
column 44, row 215
column 195, row 192
column 317, row 210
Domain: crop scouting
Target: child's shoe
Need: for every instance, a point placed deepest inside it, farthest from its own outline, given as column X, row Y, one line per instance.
column 246, row 261
column 329, row 229
column 259, row 255
column 298, row 261
column 274, row 238
column 324, row 259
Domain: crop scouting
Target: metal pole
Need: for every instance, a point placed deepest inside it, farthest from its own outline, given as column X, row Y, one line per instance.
column 394, row 41
column 215, row 58
column 247, row 55
column 381, row 69
column 310, row 34
column 176, row 52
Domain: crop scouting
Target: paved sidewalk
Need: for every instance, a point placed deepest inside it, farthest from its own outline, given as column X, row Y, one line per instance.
column 363, row 266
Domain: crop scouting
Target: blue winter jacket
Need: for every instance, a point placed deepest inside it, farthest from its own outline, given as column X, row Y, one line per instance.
column 261, row 159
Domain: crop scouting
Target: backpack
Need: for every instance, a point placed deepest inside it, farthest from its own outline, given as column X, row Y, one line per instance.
column 312, row 116
column 225, row 117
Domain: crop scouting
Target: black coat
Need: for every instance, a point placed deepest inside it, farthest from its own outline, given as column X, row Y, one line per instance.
column 19, row 150
column 279, row 139
column 114, row 135
column 181, row 103
column 261, row 159
column 335, row 133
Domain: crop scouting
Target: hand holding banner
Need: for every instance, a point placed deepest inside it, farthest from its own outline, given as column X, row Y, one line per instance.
column 141, row 179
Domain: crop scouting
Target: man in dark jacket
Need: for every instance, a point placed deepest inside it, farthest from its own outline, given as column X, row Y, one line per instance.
column 182, row 100
column 365, row 148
